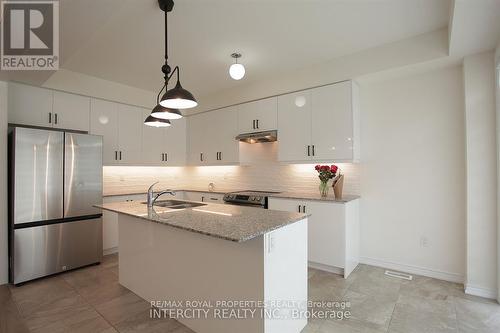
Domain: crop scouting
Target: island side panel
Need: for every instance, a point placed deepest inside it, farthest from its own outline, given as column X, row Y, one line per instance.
column 285, row 270
column 352, row 242
column 159, row 262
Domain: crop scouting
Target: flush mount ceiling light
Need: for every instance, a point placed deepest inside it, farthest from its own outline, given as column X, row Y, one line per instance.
column 236, row 71
column 178, row 97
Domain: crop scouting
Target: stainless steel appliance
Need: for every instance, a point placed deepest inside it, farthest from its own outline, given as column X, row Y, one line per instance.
column 258, row 137
column 257, row 199
column 55, row 178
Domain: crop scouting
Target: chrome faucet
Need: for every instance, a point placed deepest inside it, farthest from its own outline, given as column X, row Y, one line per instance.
column 152, row 197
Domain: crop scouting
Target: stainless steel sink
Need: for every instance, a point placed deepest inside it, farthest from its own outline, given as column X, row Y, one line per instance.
column 176, row 204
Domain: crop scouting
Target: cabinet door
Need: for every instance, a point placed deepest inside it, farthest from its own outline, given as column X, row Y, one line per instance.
column 258, row 116
column 104, row 121
column 294, row 126
column 225, row 129
column 175, row 142
column 332, row 122
column 71, row 111
column 30, row 105
column 285, row 205
column 130, row 125
column 153, row 143
column 326, row 240
column 199, row 134
column 326, row 233
column 194, row 196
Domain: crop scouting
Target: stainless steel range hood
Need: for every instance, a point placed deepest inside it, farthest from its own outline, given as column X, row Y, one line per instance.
column 258, row 137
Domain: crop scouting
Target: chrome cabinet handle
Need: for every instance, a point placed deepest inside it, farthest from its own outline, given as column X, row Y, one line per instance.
column 308, row 150
column 120, row 155
column 313, row 151
column 257, row 122
column 55, row 118
column 253, row 124
column 116, row 155
column 163, row 157
column 303, row 209
column 201, row 157
column 299, row 208
column 220, row 156
column 50, row 117
column 166, row 157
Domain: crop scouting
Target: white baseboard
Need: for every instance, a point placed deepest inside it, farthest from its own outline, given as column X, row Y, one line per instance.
column 326, row 268
column 432, row 273
column 481, row 292
column 109, row 251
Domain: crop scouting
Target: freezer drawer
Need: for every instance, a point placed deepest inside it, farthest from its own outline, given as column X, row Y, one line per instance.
column 44, row 250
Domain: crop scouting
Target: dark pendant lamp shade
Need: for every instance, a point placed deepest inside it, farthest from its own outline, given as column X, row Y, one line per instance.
column 156, row 122
column 161, row 112
column 178, row 98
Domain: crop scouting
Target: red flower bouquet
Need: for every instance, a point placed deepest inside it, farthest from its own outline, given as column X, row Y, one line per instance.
column 325, row 173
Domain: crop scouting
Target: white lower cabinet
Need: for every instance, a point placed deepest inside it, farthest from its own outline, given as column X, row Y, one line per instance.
column 209, row 197
column 333, row 232
column 110, row 222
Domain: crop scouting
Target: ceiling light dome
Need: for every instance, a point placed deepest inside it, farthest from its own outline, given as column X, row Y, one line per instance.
column 236, row 70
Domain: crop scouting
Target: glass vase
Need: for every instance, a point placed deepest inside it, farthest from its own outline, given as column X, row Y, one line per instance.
column 323, row 189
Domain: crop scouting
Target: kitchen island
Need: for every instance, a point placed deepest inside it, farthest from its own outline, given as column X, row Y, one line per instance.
column 216, row 268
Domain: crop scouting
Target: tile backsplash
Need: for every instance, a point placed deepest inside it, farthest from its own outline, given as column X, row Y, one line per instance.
column 259, row 171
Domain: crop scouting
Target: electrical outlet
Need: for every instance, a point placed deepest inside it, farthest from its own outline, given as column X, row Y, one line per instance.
column 424, row 241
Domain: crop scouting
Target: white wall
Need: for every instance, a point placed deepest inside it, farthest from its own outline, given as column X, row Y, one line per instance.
column 497, row 89
column 3, row 185
column 413, row 173
column 418, row 49
column 480, row 120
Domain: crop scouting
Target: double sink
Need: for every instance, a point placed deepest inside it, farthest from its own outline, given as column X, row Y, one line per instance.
column 176, row 204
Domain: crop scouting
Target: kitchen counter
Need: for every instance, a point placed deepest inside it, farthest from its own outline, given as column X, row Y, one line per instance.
column 229, row 222
column 217, row 191
column 283, row 195
column 314, row 196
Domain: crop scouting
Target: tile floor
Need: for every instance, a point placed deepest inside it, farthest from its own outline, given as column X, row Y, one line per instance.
column 91, row 300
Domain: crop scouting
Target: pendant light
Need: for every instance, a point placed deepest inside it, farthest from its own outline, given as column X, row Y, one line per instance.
column 176, row 98
column 156, row 122
column 236, row 71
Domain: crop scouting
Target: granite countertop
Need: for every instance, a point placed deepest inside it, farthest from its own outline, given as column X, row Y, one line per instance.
column 230, row 222
column 314, row 196
column 216, row 191
column 283, row 195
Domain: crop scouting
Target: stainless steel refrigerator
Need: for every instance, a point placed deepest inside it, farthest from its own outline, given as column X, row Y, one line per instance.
column 55, row 179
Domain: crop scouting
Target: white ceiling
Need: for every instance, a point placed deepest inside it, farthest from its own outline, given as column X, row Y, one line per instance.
column 122, row 40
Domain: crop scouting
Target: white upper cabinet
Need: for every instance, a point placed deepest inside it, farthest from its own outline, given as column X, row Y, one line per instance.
column 212, row 136
column 152, row 143
column 164, row 146
column 121, row 128
column 47, row 108
column 326, row 130
column 30, row 105
column 224, row 149
column 175, row 143
column 71, row 111
column 258, row 116
column 130, row 124
column 199, row 133
column 332, row 122
column 104, row 121
column 294, row 126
